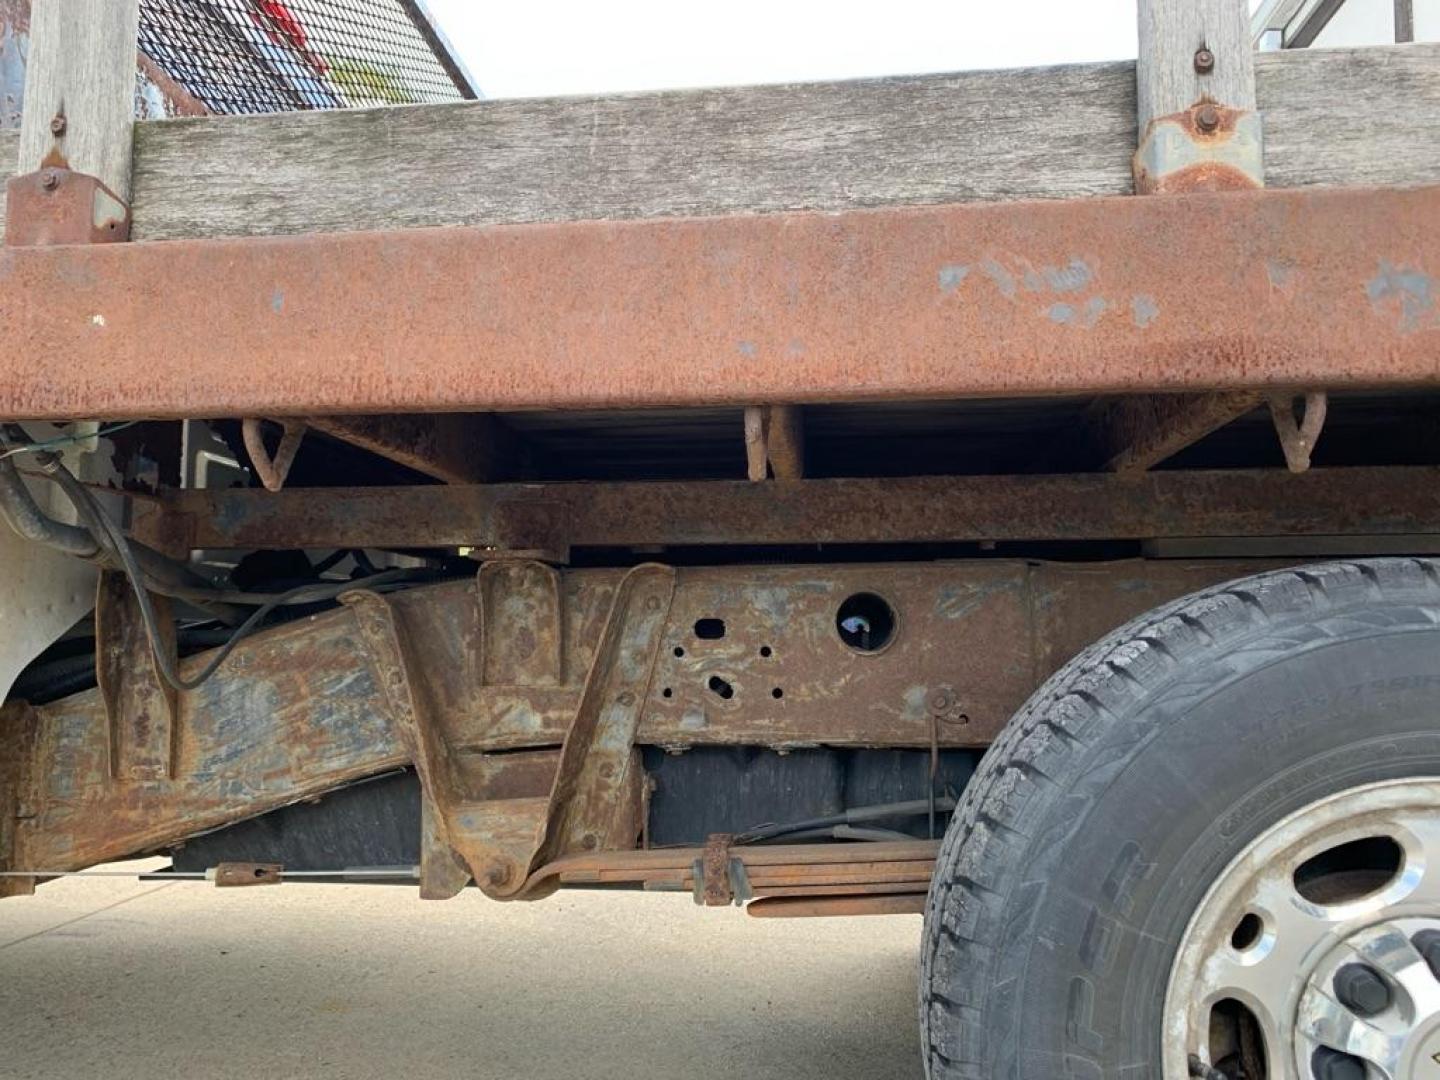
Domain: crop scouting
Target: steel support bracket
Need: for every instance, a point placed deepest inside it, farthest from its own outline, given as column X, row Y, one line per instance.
column 239, row 875
column 272, row 470
column 1207, row 147
column 774, row 442
column 140, row 706
column 712, row 872
column 1299, row 434
column 54, row 205
column 593, row 798
column 493, row 839
column 598, row 760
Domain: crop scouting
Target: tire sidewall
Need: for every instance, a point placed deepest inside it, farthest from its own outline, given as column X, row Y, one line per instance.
column 1162, row 802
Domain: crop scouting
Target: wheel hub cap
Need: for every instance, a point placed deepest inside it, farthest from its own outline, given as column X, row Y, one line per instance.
column 1316, row 952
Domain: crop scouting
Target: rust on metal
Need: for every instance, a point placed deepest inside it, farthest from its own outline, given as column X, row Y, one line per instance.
column 1328, row 502
column 1140, row 431
column 175, row 99
column 20, row 786
column 55, row 206
column 236, row 875
column 774, row 443
column 1298, row 436
column 272, row 469
column 712, row 885
column 800, row 907
column 140, row 706
column 767, row 870
column 597, row 759
column 1084, row 296
column 1206, row 148
column 345, row 698
column 458, row 448
column 494, row 838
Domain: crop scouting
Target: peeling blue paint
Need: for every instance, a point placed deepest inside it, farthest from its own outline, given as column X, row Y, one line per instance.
column 1143, row 309
column 1003, row 279
column 1086, row 316
column 1413, row 289
column 952, row 276
column 1072, row 277
column 1281, row 275
column 747, row 348
column 277, row 301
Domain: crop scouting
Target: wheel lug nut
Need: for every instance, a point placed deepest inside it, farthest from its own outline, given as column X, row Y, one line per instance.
column 1328, row 1064
column 1361, row 990
column 1427, row 944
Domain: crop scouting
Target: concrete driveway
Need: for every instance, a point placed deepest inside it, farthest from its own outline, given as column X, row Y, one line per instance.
column 125, row 979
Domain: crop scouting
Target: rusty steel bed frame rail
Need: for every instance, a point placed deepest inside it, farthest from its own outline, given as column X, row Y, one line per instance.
column 1255, row 289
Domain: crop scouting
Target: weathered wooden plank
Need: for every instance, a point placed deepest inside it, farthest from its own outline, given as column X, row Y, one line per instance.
column 1351, row 116
column 1037, row 133
column 1168, row 79
column 82, row 66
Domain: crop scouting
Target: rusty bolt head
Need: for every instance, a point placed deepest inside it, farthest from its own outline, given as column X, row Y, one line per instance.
column 58, row 124
column 590, row 841
column 941, row 699
column 50, row 179
column 1204, row 61
column 626, row 698
column 1207, row 119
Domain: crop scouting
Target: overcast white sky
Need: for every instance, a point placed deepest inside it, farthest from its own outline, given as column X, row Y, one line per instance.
column 597, row 46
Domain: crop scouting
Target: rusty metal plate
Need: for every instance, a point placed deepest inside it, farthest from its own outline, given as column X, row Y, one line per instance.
column 57, row 206
column 299, row 710
column 1314, row 287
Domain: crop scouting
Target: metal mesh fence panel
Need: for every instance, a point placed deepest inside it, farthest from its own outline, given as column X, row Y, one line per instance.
column 260, row 56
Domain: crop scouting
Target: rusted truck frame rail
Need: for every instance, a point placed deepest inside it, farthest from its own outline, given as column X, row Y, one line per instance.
column 1261, row 290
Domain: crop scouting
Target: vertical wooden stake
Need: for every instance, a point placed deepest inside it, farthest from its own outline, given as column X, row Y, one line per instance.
column 1172, row 32
column 80, row 89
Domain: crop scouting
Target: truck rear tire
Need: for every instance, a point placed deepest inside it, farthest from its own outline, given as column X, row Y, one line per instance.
column 1165, row 861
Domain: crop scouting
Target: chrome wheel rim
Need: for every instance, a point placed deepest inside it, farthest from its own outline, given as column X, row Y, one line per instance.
column 1318, row 947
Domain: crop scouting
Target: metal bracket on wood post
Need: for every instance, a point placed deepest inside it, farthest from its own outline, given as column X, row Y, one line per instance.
column 140, row 706
column 56, row 206
column 1298, row 436
column 1208, row 147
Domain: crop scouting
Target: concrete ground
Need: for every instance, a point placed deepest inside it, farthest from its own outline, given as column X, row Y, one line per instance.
column 123, row 979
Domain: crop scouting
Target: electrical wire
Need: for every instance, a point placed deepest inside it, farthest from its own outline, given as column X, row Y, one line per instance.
column 856, row 816
column 64, row 440
column 109, row 536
